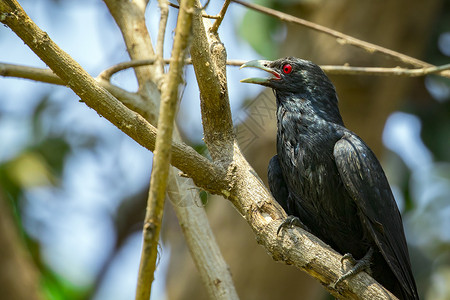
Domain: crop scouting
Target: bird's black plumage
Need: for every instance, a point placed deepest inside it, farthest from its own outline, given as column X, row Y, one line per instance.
column 325, row 175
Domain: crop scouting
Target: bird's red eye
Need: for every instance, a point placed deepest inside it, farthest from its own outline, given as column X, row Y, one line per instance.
column 287, row 68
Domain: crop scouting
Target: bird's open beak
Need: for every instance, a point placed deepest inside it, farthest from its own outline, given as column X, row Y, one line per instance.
column 262, row 65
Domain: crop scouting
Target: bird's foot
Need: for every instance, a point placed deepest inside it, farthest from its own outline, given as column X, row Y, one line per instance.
column 290, row 222
column 358, row 266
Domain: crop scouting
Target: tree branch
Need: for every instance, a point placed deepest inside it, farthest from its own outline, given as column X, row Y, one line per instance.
column 341, row 37
column 108, row 73
column 220, row 17
column 213, row 269
column 161, row 157
column 32, row 73
column 397, row 71
column 164, row 10
column 203, row 14
column 209, row 61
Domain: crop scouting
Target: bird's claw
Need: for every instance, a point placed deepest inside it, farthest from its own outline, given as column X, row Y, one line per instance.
column 350, row 258
column 358, row 266
column 290, row 222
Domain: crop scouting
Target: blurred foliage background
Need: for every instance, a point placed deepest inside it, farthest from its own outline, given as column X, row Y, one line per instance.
column 73, row 187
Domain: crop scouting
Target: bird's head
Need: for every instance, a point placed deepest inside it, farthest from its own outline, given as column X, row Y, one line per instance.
column 295, row 79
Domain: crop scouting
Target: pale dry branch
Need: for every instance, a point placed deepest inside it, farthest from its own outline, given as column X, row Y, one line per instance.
column 220, row 17
column 209, row 60
column 142, row 4
column 215, row 272
column 37, row 74
column 203, row 14
column 164, row 10
column 397, row 71
column 108, row 73
column 161, row 157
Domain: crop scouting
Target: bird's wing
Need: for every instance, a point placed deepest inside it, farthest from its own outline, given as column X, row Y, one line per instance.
column 366, row 183
column 277, row 184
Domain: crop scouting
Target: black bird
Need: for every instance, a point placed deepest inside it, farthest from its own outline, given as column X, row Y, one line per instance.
column 326, row 178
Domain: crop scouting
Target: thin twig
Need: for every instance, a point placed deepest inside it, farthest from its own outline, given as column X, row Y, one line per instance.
column 164, row 8
column 347, row 70
column 161, row 157
column 437, row 69
column 341, row 37
column 334, row 70
column 203, row 14
column 205, row 5
column 209, row 16
column 37, row 74
column 106, row 74
column 221, row 15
